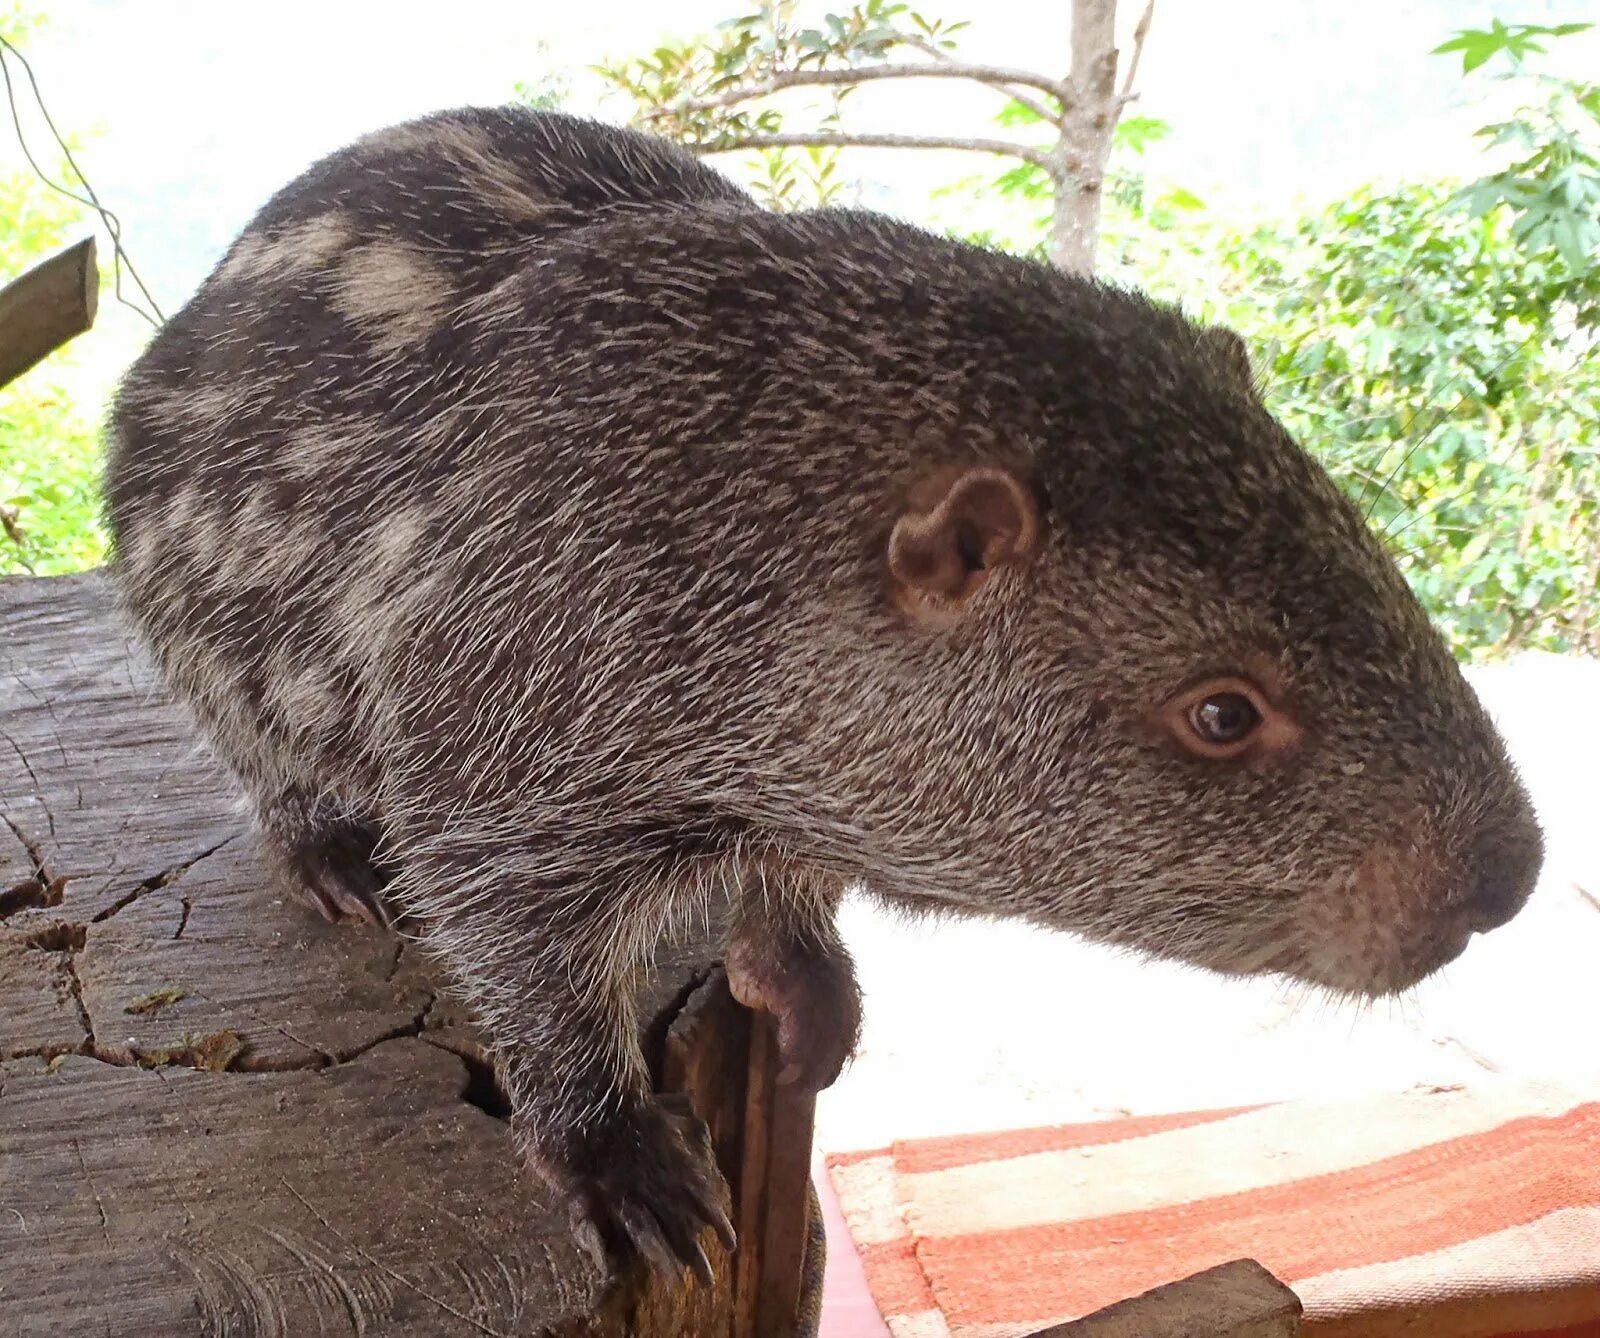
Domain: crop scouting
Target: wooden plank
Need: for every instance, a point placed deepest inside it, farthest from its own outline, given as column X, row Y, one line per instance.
column 217, row 1113
column 727, row 1059
column 46, row 306
column 777, row 1172
column 1237, row 1300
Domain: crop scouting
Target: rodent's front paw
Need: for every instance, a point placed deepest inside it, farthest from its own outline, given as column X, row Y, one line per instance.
column 815, row 999
column 646, row 1187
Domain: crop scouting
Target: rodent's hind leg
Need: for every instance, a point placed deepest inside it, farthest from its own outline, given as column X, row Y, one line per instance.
column 326, row 854
column 785, row 956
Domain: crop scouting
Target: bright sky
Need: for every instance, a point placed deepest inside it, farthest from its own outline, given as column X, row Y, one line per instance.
column 192, row 111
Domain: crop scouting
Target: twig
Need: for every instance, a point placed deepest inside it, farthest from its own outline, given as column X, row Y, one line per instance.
column 1140, row 32
column 1062, row 93
column 842, row 140
column 113, row 224
column 41, row 310
column 996, row 76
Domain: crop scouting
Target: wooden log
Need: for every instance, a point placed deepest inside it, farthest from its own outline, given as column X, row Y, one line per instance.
column 1237, row 1300
column 46, row 306
column 219, row 1114
column 776, row 1204
column 727, row 1059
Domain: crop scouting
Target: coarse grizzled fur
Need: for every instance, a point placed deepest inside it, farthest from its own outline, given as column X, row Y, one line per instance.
column 517, row 506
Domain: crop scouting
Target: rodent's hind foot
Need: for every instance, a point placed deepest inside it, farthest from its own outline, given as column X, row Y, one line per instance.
column 648, row 1190
column 344, row 887
column 328, row 861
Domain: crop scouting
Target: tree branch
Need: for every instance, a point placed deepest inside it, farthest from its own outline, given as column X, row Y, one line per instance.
column 1059, row 92
column 848, row 140
column 996, row 76
column 1140, row 32
column 51, row 303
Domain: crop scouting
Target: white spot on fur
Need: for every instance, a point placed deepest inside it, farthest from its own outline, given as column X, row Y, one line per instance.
column 303, row 249
column 396, row 538
column 305, row 696
column 470, row 149
column 201, row 410
column 392, row 293
column 311, row 449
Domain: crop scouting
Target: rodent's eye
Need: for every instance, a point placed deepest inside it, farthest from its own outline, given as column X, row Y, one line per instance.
column 1224, row 719
column 1229, row 717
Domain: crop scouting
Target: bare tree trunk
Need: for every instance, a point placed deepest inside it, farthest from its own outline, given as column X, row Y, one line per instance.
column 1083, row 107
column 1086, row 130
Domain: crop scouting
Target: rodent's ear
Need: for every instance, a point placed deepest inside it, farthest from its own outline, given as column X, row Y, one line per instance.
column 961, row 524
column 1231, row 355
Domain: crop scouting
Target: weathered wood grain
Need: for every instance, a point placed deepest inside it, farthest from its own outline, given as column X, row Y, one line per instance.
column 219, row 1115
column 365, row 1197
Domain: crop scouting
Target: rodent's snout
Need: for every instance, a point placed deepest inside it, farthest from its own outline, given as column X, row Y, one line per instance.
column 1411, row 908
column 1505, row 866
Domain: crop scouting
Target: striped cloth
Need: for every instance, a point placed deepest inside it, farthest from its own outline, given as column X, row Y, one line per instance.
column 1433, row 1214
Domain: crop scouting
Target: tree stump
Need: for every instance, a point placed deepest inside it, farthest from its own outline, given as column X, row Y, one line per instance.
column 220, row 1115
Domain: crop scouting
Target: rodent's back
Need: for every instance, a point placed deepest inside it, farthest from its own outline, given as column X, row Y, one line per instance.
column 260, row 469
column 475, row 189
column 332, row 293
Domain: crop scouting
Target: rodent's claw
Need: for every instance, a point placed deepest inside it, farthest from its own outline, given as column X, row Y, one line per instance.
column 814, row 1049
column 587, row 1234
column 708, row 1191
column 339, row 880
column 701, row 1267
column 652, row 1190
column 719, row 1223
column 644, row 1234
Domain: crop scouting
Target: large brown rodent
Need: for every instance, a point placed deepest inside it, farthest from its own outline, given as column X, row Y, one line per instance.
column 521, row 506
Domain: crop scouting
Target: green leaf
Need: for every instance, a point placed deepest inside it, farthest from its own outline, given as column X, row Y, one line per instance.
column 1137, row 133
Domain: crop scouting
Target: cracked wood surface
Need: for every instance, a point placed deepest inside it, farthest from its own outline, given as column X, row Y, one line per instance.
column 218, row 1114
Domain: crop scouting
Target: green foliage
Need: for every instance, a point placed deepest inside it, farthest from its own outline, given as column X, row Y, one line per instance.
column 1431, row 363
column 790, row 180
column 49, row 455
column 1478, row 46
column 1434, row 346
column 1437, row 347
column 49, row 451
column 1551, row 189
column 49, row 480
column 701, row 92
column 694, row 91
column 16, row 22
column 549, row 89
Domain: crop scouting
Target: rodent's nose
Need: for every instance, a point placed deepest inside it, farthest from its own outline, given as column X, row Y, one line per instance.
column 1505, row 867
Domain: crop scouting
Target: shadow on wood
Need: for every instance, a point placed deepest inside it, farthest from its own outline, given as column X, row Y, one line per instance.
column 220, row 1115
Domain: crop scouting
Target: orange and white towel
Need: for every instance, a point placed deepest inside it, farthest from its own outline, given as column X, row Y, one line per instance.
column 1438, row 1214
